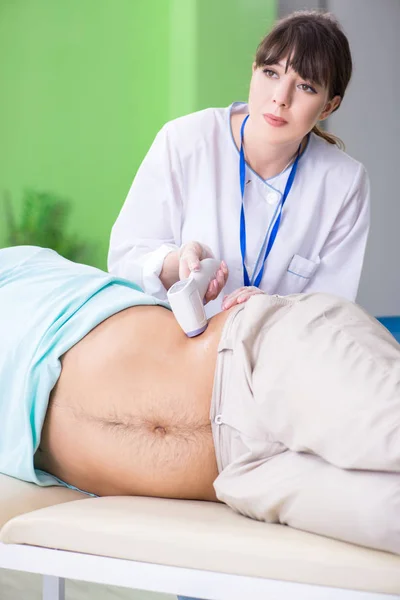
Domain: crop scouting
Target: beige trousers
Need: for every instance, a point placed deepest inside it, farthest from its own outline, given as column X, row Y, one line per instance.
column 306, row 418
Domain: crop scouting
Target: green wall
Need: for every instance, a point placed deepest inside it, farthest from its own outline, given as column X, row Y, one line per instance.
column 228, row 34
column 87, row 83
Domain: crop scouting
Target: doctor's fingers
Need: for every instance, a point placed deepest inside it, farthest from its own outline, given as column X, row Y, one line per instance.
column 217, row 284
column 190, row 255
column 239, row 296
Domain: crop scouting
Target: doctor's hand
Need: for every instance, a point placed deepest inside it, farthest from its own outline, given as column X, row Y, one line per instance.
column 239, row 296
column 190, row 255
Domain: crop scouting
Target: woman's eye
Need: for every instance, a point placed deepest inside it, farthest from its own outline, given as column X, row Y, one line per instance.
column 307, row 88
column 269, row 72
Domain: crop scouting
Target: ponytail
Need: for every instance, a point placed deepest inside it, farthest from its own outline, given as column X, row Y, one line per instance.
column 328, row 137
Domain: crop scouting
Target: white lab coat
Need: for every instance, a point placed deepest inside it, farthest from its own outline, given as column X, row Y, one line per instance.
column 187, row 188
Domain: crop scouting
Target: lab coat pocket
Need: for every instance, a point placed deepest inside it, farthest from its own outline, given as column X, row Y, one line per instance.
column 299, row 273
column 302, row 267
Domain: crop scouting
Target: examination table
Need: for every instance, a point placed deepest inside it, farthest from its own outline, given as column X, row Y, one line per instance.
column 199, row 549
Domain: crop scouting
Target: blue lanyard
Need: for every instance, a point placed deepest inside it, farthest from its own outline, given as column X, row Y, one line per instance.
column 289, row 183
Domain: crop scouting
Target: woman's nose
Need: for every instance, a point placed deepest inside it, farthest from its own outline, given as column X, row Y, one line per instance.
column 282, row 95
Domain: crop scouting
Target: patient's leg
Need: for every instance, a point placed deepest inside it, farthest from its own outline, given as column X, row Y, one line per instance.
column 319, row 375
column 305, row 492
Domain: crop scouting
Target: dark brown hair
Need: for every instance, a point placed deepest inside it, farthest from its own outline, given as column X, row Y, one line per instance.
column 316, row 48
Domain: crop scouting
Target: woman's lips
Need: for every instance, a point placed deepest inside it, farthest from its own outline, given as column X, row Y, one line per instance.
column 274, row 121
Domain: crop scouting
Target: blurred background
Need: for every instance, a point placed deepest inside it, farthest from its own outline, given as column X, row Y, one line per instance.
column 86, row 84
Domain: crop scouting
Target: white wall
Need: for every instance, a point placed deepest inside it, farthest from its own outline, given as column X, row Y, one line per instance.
column 369, row 123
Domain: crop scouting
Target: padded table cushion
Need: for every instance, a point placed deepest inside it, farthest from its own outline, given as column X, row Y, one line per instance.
column 203, row 535
column 18, row 497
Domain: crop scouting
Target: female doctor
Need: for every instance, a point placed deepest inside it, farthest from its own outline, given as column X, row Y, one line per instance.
column 259, row 185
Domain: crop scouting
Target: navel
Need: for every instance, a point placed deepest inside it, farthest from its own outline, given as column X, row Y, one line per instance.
column 160, row 431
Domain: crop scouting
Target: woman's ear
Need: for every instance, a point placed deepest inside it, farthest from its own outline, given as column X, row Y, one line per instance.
column 253, row 67
column 330, row 107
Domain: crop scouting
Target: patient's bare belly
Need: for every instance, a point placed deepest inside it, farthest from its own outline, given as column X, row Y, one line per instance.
column 130, row 412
